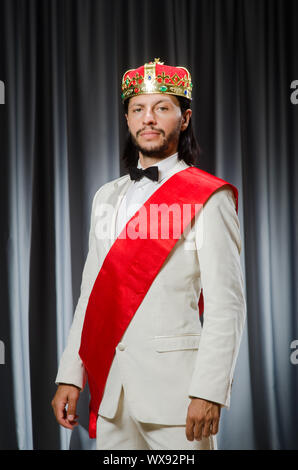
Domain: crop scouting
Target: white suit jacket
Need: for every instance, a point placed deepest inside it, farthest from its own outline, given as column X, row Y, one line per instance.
column 165, row 356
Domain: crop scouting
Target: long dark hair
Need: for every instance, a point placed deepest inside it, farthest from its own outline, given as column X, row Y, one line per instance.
column 188, row 147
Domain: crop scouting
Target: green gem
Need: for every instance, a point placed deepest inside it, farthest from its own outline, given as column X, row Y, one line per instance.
column 191, row 85
column 163, row 88
column 127, row 81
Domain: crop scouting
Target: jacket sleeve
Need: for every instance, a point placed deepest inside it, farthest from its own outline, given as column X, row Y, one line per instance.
column 71, row 369
column 219, row 247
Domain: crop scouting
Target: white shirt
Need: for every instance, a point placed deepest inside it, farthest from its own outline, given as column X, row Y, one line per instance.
column 139, row 191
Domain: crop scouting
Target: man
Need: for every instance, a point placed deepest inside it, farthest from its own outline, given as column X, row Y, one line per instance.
column 157, row 377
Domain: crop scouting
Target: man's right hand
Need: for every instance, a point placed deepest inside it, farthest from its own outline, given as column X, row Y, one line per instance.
column 66, row 395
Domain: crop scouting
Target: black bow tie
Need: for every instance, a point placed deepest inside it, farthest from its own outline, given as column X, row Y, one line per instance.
column 137, row 173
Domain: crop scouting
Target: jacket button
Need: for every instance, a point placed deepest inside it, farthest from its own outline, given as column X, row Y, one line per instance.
column 121, row 347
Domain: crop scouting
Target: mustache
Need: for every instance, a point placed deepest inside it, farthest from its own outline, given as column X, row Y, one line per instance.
column 149, row 129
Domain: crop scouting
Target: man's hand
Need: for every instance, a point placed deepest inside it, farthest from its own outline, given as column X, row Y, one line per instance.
column 202, row 419
column 66, row 395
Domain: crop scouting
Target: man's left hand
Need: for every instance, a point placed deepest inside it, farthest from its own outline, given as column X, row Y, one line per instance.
column 202, row 419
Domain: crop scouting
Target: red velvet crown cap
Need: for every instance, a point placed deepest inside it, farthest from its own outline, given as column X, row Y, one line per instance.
column 155, row 77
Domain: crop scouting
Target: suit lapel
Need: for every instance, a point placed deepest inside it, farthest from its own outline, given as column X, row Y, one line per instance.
column 120, row 189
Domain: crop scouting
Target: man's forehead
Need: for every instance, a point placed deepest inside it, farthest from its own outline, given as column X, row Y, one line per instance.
column 152, row 99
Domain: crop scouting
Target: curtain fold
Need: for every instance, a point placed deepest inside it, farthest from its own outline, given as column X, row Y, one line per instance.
column 62, row 132
column 270, row 169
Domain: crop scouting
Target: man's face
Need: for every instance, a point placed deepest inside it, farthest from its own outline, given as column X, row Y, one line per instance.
column 155, row 122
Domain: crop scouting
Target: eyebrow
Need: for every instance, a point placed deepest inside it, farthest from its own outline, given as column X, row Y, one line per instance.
column 159, row 101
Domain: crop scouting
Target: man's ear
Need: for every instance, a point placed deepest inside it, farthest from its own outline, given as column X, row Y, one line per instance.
column 185, row 119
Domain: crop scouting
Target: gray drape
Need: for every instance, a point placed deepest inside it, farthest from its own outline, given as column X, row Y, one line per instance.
column 62, row 131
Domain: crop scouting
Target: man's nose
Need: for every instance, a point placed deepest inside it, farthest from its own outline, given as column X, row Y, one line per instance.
column 149, row 116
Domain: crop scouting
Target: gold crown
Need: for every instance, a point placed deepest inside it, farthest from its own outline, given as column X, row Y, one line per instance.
column 155, row 77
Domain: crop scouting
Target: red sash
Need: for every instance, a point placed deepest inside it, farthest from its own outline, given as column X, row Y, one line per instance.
column 122, row 283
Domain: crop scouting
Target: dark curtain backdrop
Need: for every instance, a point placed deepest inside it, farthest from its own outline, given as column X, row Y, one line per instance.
column 62, row 132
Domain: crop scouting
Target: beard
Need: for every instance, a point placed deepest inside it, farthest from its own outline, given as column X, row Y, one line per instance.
column 157, row 150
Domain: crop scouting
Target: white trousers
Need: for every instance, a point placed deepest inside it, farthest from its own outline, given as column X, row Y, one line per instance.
column 124, row 432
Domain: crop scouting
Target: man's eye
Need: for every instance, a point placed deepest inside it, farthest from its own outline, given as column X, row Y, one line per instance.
column 163, row 108
column 136, row 110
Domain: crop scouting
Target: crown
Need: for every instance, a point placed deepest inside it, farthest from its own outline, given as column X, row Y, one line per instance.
column 155, row 77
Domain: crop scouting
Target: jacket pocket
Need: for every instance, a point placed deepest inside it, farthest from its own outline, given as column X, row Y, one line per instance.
column 177, row 342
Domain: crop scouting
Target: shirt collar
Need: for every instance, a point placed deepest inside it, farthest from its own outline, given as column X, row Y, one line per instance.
column 164, row 166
